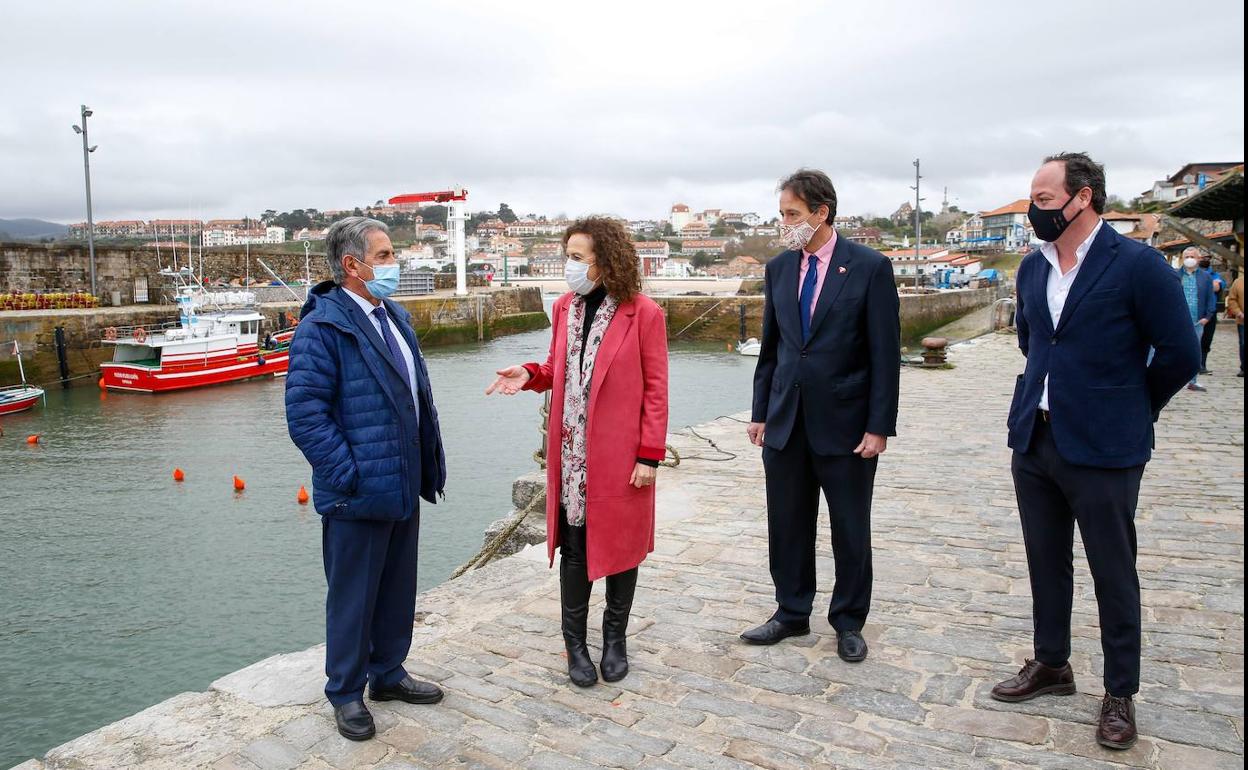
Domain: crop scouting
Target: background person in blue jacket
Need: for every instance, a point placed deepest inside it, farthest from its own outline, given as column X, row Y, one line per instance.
column 1202, row 304
column 1219, row 301
column 359, row 407
column 1090, row 304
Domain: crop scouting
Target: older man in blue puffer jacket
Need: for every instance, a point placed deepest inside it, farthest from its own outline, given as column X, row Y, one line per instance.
column 359, row 407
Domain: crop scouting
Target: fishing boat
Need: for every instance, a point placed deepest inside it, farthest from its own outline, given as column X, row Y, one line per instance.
column 20, row 397
column 219, row 337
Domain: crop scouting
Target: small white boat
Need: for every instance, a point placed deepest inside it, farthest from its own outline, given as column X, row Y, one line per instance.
column 20, row 397
column 750, row 347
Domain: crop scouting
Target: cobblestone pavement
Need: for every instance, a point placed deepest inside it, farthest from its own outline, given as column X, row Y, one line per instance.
column 951, row 616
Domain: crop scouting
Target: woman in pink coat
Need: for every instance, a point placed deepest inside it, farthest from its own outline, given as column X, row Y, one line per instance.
column 607, row 370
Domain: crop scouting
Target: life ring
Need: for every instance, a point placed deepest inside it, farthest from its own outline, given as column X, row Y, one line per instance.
column 140, row 334
column 110, row 333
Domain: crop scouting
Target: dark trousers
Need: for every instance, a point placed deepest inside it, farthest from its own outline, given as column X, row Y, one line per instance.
column 795, row 476
column 1240, row 328
column 1053, row 496
column 371, row 570
column 574, row 584
column 1206, row 340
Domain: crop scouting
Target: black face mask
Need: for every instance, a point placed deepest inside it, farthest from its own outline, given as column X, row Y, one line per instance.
column 1049, row 224
column 1205, row 263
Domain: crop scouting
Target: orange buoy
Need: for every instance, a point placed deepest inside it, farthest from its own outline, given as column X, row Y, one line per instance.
column 101, row 384
column 239, row 484
column 302, row 497
column 178, row 475
column 32, row 439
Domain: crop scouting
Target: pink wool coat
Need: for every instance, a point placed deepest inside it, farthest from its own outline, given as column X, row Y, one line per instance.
column 627, row 420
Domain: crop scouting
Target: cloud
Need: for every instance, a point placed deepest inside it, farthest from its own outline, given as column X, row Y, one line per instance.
column 226, row 108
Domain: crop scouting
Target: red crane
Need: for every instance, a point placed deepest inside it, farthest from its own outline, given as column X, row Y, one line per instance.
column 455, row 219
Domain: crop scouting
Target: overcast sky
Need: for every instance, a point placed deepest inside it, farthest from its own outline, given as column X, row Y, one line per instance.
column 224, row 108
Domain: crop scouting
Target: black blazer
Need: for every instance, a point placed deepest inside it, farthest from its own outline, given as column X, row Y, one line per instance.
column 1103, row 393
column 846, row 377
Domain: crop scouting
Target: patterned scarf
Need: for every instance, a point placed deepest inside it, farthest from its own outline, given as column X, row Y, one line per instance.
column 578, row 378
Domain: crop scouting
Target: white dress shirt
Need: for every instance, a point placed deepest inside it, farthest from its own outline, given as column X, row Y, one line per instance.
column 1059, row 287
column 408, row 358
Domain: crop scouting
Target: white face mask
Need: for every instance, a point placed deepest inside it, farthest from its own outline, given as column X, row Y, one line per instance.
column 1190, row 263
column 577, row 276
column 797, row 236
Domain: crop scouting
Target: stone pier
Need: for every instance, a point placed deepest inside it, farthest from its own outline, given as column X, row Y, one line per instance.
column 951, row 616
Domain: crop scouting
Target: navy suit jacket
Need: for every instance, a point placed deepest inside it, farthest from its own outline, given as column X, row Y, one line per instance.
column 846, row 376
column 1103, row 394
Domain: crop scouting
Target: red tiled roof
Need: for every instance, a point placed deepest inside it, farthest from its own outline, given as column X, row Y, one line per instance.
column 1017, row 207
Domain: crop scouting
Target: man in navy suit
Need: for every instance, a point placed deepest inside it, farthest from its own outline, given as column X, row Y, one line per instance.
column 1091, row 303
column 825, row 403
column 359, row 407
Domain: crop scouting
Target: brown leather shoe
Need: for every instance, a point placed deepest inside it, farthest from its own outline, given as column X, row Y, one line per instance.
column 1116, row 727
column 1034, row 679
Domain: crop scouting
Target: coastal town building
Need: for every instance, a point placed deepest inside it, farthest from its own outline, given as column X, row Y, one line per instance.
column 680, row 216
column 710, row 246
column 653, row 255
column 904, row 215
column 1007, row 227
column 1189, row 180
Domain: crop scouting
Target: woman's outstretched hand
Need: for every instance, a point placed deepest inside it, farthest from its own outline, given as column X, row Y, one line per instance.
column 510, row 381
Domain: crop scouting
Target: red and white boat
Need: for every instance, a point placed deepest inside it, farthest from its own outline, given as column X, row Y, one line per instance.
column 19, row 398
column 225, row 344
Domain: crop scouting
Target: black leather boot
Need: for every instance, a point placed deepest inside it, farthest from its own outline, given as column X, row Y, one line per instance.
column 620, row 590
column 574, row 590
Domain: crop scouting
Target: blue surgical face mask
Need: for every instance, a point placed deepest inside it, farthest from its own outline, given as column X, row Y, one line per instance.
column 385, row 280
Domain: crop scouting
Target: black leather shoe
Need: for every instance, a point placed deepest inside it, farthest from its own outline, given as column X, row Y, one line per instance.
column 851, row 646
column 1116, row 727
column 774, row 631
column 408, row 690
column 354, row 721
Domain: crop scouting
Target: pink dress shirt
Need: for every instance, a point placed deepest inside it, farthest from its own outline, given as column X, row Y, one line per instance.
column 823, row 257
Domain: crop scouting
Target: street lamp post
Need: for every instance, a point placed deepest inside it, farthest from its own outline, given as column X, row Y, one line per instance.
column 307, row 269
column 86, row 168
column 918, row 222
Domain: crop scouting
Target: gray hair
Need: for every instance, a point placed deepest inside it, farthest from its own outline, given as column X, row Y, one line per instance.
column 1194, row 251
column 349, row 236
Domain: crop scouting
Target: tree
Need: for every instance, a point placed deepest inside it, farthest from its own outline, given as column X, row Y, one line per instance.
column 1116, row 203
column 668, row 229
column 701, row 260
column 506, row 214
column 434, row 215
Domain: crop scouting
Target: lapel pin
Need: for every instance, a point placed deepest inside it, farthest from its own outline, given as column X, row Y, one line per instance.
column 841, row 269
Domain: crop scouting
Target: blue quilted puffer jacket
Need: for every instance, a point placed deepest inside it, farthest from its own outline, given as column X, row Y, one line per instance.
column 351, row 414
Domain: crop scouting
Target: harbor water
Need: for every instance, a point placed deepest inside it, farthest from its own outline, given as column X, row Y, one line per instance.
column 121, row 587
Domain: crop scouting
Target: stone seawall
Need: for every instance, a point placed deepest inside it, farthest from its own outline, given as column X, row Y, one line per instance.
column 28, row 267
column 438, row 320
column 719, row 318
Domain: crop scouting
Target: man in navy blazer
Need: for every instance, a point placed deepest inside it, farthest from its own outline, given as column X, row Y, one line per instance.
column 825, row 403
column 359, row 407
column 1091, row 304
